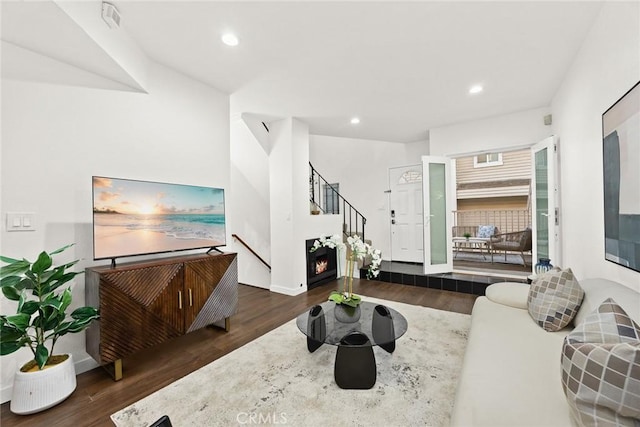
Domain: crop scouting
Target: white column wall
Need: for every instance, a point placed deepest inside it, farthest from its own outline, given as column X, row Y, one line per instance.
column 54, row 138
column 291, row 221
column 606, row 67
column 288, row 177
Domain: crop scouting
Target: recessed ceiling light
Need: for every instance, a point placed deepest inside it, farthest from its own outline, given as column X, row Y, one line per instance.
column 230, row 39
column 475, row 89
column 355, row 121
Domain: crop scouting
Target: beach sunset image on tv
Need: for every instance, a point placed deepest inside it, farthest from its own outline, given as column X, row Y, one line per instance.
column 140, row 217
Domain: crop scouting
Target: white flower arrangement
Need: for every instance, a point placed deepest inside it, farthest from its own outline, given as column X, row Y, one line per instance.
column 359, row 250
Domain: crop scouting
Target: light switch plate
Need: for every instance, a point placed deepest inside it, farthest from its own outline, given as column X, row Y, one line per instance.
column 20, row 221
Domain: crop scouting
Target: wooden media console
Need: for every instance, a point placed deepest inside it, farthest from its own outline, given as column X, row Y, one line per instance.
column 143, row 304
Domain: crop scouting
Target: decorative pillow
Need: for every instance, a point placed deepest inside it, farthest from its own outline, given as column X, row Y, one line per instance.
column 486, row 231
column 554, row 299
column 601, row 368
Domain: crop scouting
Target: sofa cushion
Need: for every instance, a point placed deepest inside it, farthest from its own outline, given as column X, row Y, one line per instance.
column 486, row 231
column 554, row 299
column 601, row 368
column 597, row 290
column 509, row 293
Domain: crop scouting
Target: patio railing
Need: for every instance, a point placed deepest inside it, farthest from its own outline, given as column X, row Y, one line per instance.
column 507, row 220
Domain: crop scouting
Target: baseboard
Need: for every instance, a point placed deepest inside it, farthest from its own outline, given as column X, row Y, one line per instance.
column 5, row 393
column 288, row 291
column 82, row 365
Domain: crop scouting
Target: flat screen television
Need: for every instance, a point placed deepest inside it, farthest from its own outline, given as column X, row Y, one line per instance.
column 133, row 217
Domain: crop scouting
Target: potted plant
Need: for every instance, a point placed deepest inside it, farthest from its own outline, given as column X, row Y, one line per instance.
column 346, row 301
column 40, row 319
column 467, row 235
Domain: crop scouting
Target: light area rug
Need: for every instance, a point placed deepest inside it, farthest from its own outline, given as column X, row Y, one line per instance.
column 275, row 380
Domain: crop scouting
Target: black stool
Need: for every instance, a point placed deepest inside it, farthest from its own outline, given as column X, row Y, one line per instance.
column 355, row 366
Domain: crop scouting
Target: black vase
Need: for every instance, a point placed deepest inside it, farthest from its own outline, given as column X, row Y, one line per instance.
column 382, row 328
column 316, row 328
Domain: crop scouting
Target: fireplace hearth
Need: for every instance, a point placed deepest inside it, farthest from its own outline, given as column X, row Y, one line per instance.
column 322, row 265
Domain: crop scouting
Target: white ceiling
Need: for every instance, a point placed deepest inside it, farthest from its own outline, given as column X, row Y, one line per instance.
column 402, row 67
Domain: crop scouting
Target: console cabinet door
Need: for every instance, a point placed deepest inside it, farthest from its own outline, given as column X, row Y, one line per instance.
column 201, row 279
column 139, row 309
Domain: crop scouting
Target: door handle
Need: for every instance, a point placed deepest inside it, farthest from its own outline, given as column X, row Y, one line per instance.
column 393, row 221
column 190, row 298
column 180, row 300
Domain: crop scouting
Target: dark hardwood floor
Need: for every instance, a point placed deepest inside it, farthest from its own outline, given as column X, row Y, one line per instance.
column 97, row 396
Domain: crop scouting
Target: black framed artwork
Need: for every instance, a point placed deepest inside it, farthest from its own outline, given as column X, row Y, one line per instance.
column 621, row 170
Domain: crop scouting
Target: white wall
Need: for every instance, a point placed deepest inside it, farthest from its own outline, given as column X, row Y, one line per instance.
column 606, row 67
column 494, row 133
column 361, row 167
column 54, row 138
column 251, row 208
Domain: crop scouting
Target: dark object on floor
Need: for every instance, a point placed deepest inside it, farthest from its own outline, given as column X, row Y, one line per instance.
column 164, row 421
column 355, row 366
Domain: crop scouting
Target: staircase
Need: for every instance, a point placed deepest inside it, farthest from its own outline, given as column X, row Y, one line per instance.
column 326, row 199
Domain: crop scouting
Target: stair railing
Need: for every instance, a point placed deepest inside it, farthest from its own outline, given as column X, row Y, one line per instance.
column 243, row 243
column 353, row 221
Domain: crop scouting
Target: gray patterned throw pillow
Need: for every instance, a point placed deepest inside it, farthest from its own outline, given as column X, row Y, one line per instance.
column 554, row 299
column 601, row 368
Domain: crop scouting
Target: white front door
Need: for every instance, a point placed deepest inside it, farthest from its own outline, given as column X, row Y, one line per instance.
column 405, row 212
column 545, row 221
column 438, row 215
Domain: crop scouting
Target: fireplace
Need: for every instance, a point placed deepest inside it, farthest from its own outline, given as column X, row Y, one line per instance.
column 321, row 265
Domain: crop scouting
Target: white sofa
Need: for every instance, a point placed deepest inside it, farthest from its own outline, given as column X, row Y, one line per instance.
column 511, row 374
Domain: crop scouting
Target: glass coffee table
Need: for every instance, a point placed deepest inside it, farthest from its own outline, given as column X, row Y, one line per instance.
column 355, row 365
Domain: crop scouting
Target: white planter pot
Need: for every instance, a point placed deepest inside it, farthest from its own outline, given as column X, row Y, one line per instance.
column 36, row 391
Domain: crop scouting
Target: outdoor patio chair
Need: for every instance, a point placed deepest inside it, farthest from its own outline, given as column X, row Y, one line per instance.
column 517, row 241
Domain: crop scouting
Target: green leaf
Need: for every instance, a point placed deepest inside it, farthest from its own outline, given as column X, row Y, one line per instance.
column 73, row 327
column 42, row 355
column 11, row 293
column 351, row 302
column 30, row 307
column 9, row 347
column 65, row 299
column 10, row 281
column 8, row 260
column 25, row 283
column 18, row 267
column 85, row 313
column 43, row 263
column 60, row 281
column 64, row 248
column 10, row 335
column 337, row 298
column 18, row 321
column 52, row 318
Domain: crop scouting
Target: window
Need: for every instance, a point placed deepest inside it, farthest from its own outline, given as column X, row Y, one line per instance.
column 409, row 177
column 331, row 202
column 487, row 159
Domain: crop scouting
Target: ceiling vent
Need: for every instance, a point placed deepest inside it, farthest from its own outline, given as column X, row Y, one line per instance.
column 110, row 15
